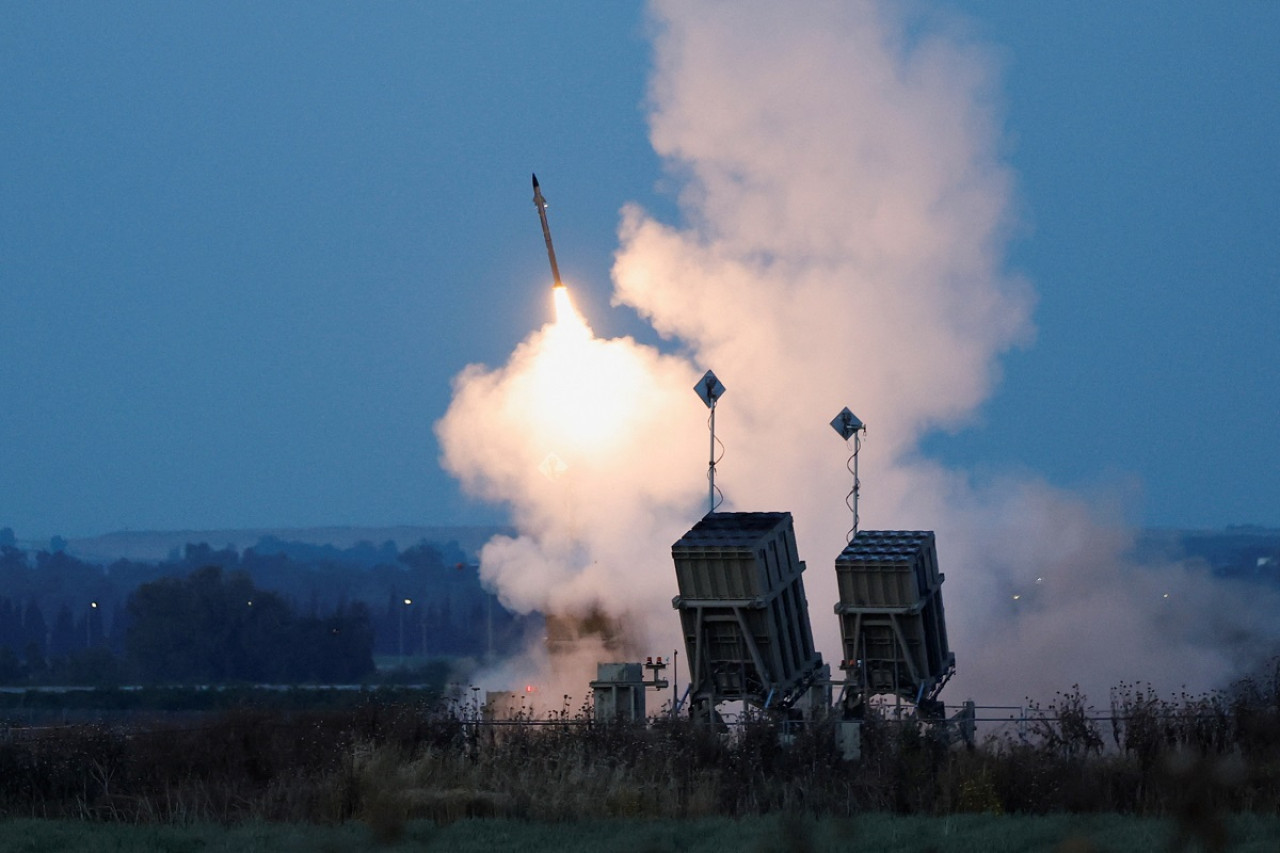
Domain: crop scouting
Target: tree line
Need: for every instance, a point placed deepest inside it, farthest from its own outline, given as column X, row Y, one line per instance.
column 276, row 612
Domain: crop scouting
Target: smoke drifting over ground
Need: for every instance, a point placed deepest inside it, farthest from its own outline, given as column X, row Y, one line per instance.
column 845, row 216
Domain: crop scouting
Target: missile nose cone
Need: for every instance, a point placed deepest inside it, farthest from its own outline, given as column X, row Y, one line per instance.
column 535, row 180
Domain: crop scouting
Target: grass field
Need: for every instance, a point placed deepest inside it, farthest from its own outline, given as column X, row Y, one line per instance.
column 878, row 832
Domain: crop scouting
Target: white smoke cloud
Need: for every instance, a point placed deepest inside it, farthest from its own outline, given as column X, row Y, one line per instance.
column 591, row 443
column 845, row 215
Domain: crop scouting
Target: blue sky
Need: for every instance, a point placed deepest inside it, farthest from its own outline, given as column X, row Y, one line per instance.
column 245, row 248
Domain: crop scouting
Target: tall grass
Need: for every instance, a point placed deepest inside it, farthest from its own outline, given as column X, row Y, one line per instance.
column 1190, row 758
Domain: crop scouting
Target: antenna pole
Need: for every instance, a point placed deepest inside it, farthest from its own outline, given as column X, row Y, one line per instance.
column 850, row 426
column 711, row 464
column 857, row 445
column 709, row 388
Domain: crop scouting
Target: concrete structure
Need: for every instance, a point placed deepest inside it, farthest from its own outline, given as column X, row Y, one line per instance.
column 619, row 692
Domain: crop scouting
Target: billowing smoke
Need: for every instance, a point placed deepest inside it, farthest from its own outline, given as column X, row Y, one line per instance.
column 594, row 446
column 845, row 213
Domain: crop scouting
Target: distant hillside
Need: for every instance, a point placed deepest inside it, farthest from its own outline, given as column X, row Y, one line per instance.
column 1243, row 551
column 159, row 545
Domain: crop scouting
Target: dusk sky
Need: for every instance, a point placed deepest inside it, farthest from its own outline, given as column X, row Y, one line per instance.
column 245, row 248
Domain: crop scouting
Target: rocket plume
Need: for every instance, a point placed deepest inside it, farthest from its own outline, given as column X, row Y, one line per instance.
column 587, row 441
column 845, row 213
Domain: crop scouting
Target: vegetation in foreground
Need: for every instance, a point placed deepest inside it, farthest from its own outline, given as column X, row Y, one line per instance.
column 767, row 834
column 390, row 762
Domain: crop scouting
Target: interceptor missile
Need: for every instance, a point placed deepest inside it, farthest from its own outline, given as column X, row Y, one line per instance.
column 541, row 203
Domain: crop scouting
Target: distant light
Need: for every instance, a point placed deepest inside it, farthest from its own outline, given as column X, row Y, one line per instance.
column 1166, row 595
column 528, row 688
column 1039, row 580
column 1016, row 597
column 408, row 601
column 250, row 603
column 93, row 604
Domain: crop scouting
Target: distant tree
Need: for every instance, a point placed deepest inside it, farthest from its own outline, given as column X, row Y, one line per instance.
column 316, row 582
column 214, row 627
column 12, row 559
column 268, row 635
column 88, row 667
column 356, row 658
column 336, row 649
column 10, row 624
column 445, row 628
column 424, row 555
column 34, row 629
column 119, row 624
column 62, row 640
column 33, row 655
column 179, row 628
column 89, row 631
column 201, row 555
column 10, row 667
column 57, row 560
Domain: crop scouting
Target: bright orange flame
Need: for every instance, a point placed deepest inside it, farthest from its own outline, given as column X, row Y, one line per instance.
column 581, row 383
column 565, row 311
column 572, row 397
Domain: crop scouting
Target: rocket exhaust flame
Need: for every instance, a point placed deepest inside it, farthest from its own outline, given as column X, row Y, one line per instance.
column 566, row 314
